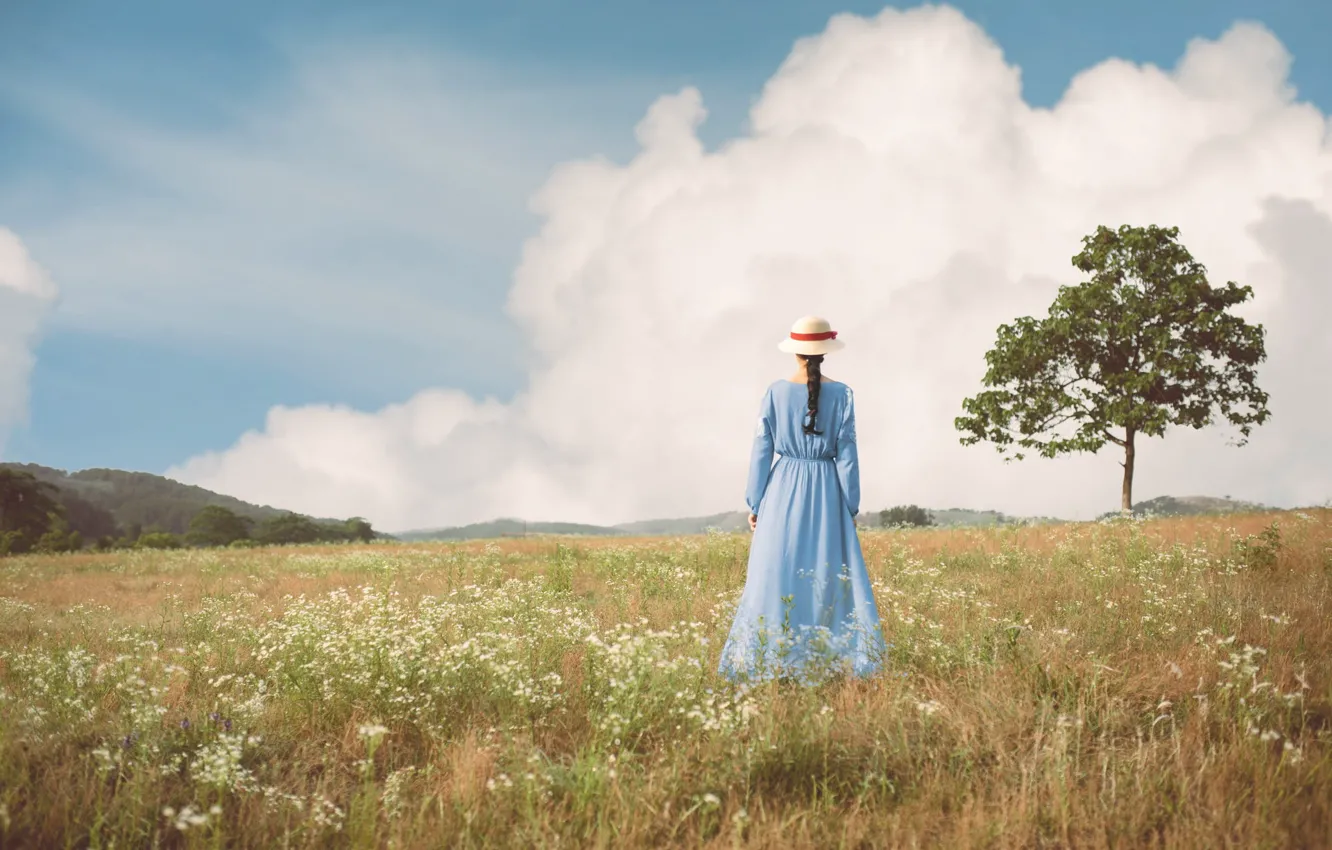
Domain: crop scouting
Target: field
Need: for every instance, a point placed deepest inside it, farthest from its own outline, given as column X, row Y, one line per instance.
column 1133, row 684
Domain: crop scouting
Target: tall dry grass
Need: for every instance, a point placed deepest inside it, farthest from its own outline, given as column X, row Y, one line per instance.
column 1160, row 684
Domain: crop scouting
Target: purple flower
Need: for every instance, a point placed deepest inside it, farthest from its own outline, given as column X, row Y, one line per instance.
column 185, row 724
column 226, row 724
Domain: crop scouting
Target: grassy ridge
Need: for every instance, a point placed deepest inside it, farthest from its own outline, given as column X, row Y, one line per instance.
column 1143, row 684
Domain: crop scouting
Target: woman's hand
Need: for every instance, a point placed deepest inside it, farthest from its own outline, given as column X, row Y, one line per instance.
column 753, row 521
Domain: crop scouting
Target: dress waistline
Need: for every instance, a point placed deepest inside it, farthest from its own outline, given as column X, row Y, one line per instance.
column 809, row 459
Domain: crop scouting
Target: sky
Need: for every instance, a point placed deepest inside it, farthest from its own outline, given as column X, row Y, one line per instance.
column 433, row 263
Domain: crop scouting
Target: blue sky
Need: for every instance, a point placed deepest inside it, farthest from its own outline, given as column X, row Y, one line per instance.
column 228, row 196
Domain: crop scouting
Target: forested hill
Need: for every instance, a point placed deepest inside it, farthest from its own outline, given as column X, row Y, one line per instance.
column 98, row 502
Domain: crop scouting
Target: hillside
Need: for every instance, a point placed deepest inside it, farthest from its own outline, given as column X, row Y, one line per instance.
column 952, row 517
column 98, row 502
column 732, row 521
column 1190, row 506
column 737, row 521
column 503, row 528
column 729, row 521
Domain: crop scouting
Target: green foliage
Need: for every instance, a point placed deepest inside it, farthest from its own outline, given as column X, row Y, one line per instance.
column 215, row 525
column 1260, row 551
column 159, row 540
column 288, row 528
column 293, row 528
column 58, row 536
column 359, row 530
column 89, row 520
column 905, row 515
column 164, row 512
column 8, row 540
column 27, row 507
column 1146, row 343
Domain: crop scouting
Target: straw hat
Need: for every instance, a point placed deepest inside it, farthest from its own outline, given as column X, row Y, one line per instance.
column 811, row 335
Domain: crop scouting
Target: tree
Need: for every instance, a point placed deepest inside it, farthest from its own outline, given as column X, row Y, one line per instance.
column 215, row 525
column 359, row 529
column 85, row 517
column 26, row 508
column 158, row 540
column 58, row 536
column 905, row 515
column 288, row 528
column 1146, row 343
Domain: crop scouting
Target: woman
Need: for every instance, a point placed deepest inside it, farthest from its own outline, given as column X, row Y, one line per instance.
column 807, row 610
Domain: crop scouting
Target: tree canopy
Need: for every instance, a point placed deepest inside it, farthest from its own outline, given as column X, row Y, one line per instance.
column 905, row 515
column 27, row 507
column 1144, row 344
column 215, row 525
column 288, row 528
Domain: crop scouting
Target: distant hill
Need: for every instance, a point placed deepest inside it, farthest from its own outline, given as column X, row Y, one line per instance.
column 97, row 501
column 726, row 522
column 956, row 517
column 1190, row 506
column 504, row 528
column 729, row 521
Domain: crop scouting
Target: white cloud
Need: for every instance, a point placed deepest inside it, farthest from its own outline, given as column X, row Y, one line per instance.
column 894, row 181
column 26, row 295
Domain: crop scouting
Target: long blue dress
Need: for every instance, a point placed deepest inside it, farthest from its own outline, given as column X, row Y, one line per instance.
column 807, row 611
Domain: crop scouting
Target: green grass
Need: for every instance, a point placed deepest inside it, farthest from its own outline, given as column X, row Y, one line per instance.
column 1144, row 684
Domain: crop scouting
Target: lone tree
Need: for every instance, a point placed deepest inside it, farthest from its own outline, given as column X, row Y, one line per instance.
column 1144, row 344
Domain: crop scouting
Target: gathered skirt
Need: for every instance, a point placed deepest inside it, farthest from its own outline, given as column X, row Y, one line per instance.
column 807, row 611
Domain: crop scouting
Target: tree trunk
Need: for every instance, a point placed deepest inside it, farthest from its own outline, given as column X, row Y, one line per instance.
column 1127, row 498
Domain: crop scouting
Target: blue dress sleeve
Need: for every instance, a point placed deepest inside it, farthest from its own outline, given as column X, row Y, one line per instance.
column 760, row 460
column 848, row 457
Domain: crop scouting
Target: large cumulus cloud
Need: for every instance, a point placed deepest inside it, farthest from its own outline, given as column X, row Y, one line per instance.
column 894, row 180
column 26, row 296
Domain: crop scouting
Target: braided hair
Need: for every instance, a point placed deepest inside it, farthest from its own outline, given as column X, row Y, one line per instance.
column 814, row 379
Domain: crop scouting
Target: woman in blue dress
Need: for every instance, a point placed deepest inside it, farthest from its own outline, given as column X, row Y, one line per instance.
column 807, row 611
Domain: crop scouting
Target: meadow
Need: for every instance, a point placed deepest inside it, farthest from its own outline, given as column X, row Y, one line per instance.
column 1130, row 684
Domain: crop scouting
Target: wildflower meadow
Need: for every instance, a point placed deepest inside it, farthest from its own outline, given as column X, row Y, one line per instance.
column 1163, row 683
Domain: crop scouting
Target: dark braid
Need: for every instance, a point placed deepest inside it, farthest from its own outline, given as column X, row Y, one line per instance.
column 813, row 363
